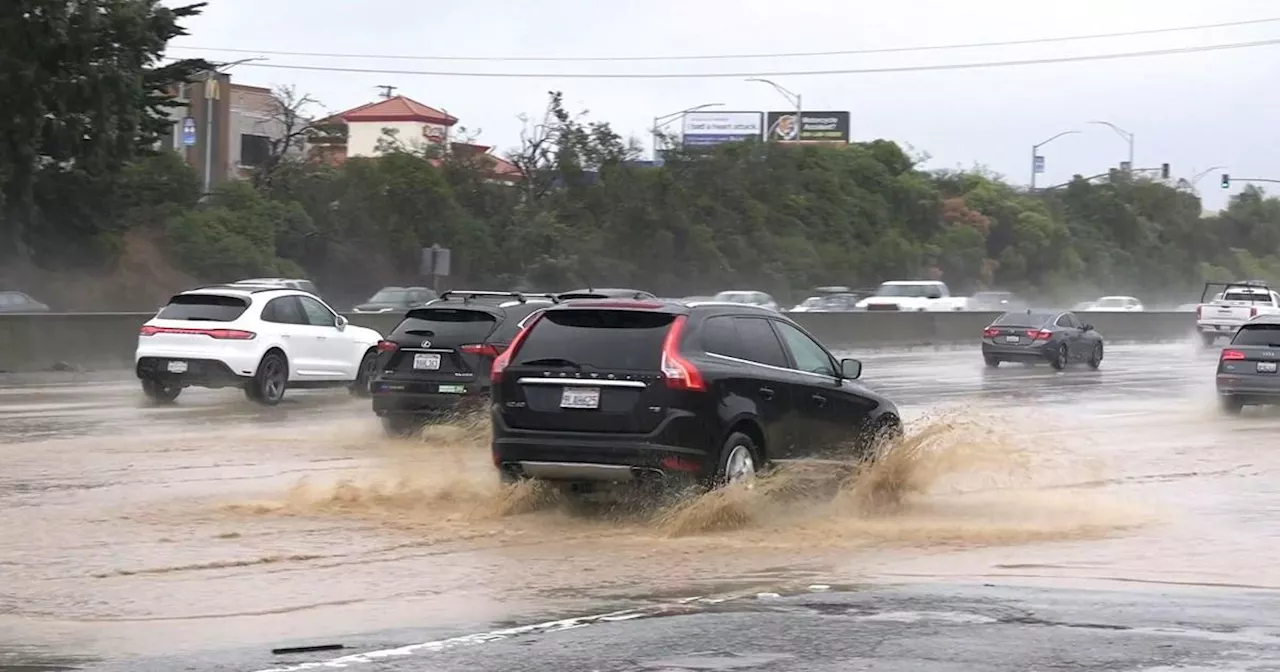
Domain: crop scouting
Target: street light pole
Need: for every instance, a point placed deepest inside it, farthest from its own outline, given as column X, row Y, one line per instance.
column 1035, row 154
column 1128, row 137
column 793, row 98
column 210, row 92
column 1198, row 176
column 659, row 122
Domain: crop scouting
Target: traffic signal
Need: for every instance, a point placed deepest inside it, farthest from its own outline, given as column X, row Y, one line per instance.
column 1164, row 171
column 1226, row 181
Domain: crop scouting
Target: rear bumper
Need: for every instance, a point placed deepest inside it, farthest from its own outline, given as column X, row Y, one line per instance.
column 198, row 373
column 1264, row 388
column 593, row 457
column 1218, row 328
column 1019, row 353
column 391, row 397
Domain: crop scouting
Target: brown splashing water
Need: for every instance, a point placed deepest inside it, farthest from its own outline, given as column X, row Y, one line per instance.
column 950, row 481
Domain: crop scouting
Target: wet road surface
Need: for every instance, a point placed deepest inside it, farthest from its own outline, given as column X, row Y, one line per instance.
column 215, row 525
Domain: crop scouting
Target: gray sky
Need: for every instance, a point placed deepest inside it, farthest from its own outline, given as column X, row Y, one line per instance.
column 1193, row 110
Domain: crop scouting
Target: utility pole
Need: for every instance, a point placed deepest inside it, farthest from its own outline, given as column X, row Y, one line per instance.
column 386, row 90
column 1037, row 164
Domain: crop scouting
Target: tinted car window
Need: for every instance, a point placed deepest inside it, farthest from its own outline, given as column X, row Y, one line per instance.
column 1023, row 319
column 284, row 310
column 317, row 314
column 204, row 308
column 517, row 317
column 760, row 341
column 1258, row 334
column 809, row 356
column 603, row 339
column 1246, row 296
column 448, row 325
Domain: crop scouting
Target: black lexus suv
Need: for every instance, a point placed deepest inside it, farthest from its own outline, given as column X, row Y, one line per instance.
column 610, row 391
column 437, row 360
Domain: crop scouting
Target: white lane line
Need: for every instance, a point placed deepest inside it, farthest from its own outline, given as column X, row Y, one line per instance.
column 495, row 635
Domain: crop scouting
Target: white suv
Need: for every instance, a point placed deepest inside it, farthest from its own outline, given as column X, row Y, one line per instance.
column 260, row 338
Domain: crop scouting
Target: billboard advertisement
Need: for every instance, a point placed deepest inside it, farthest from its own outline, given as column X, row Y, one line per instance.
column 813, row 127
column 702, row 129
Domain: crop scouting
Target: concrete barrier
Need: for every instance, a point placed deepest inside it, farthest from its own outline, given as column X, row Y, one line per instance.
column 40, row 342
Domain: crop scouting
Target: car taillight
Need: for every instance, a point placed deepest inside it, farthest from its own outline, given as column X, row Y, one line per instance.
column 1253, row 312
column 990, row 332
column 679, row 372
column 504, row 359
column 1232, row 354
column 1040, row 334
column 482, row 349
column 388, row 346
column 1199, row 312
column 220, row 334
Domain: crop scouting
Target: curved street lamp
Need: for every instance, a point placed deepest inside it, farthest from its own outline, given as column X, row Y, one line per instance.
column 1035, row 155
column 659, row 122
column 793, row 98
column 1126, row 135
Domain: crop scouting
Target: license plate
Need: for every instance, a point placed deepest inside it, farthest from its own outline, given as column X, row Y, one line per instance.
column 580, row 397
column 177, row 366
column 1010, row 339
column 453, row 389
column 1266, row 367
column 426, row 362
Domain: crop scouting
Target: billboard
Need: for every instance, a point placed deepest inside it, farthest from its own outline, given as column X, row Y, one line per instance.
column 814, row 127
column 702, row 129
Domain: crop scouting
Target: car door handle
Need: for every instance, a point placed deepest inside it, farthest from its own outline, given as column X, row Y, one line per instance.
column 819, row 400
column 766, row 393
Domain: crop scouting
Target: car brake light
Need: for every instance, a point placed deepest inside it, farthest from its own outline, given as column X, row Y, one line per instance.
column 388, row 346
column 1199, row 312
column 990, row 332
column 1232, row 354
column 504, row 359
column 679, row 372
column 1040, row 334
column 220, row 334
column 482, row 349
column 1253, row 312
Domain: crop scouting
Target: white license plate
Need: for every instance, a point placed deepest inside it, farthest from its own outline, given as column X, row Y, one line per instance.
column 453, row 389
column 580, row 397
column 177, row 366
column 426, row 362
column 1266, row 367
column 1010, row 339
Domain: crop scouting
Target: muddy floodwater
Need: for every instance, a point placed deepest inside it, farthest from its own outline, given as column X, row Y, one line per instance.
column 131, row 530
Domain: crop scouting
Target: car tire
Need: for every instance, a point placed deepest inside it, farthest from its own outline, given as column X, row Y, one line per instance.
column 992, row 362
column 364, row 376
column 161, row 392
column 887, row 429
column 270, row 381
column 1059, row 361
column 1231, row 405
column 399, row 426
column 739, row 461
column 1095, row 360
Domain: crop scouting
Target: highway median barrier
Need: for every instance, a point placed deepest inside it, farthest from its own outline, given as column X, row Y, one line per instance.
column 101, row 341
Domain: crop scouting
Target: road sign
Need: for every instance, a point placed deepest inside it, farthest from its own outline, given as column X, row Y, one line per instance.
column 435, row 261
column 188, row 132
column 1039, row 164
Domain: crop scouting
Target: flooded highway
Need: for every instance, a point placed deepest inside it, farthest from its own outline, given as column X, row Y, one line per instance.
column 137, row 531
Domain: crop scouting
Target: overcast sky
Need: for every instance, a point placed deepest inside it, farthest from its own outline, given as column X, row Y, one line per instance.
column 1194, row 110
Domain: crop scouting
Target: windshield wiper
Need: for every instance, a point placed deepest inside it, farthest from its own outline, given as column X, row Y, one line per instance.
column 552, row 361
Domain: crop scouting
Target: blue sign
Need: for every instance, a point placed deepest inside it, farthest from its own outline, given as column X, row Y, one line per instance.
column 188, row 131
column 1038, row 164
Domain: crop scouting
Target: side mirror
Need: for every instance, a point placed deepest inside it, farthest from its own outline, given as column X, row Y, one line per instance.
column 340, row 322
column 1087, row 327
column 850, row 369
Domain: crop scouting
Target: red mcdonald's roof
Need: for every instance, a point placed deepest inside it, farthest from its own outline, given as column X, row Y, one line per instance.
column 396, row 108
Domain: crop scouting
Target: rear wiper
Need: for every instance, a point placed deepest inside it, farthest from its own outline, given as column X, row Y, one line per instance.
column 552, row 361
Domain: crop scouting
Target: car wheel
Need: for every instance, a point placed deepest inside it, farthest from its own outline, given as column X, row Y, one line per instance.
column 1095, row 360
column 161, row 392
column 360, row 387
column 1231, row 405
column 992, row 362
column 269, row 383
column 400, row 426
column 739, row 461
column 1059, row 360
column 885, row 431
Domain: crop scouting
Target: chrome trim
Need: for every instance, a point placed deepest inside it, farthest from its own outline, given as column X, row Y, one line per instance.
column 735, row 360
column 583, row 382
column 578, row 471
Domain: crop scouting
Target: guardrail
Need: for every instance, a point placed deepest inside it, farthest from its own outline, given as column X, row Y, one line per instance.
column 44, row 341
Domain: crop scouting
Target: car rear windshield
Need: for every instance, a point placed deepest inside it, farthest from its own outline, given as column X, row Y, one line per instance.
column 1023, row 319
column 1258, row 334
column 204, row 308
column 598, row 339
column 447, row 325
column 1247, row 296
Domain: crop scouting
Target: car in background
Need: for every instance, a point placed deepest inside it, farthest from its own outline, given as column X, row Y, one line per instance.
column 592, row 393
column 389, row 299
column 263, row 339
column 437, row 360
column 1232, row 307
column 300, row 284
column 12, row 301
column 1116, row 304
column 749, row 297
column 606, row 293
column 913, row 295
column 1029, row 337
column 1248, row 367
column 993, row 302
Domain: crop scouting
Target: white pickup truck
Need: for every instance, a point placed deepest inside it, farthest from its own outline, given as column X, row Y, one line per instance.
column 912, row 295
column 1236, row 304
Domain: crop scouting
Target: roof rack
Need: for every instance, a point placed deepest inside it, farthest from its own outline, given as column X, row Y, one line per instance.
column 467, row 295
